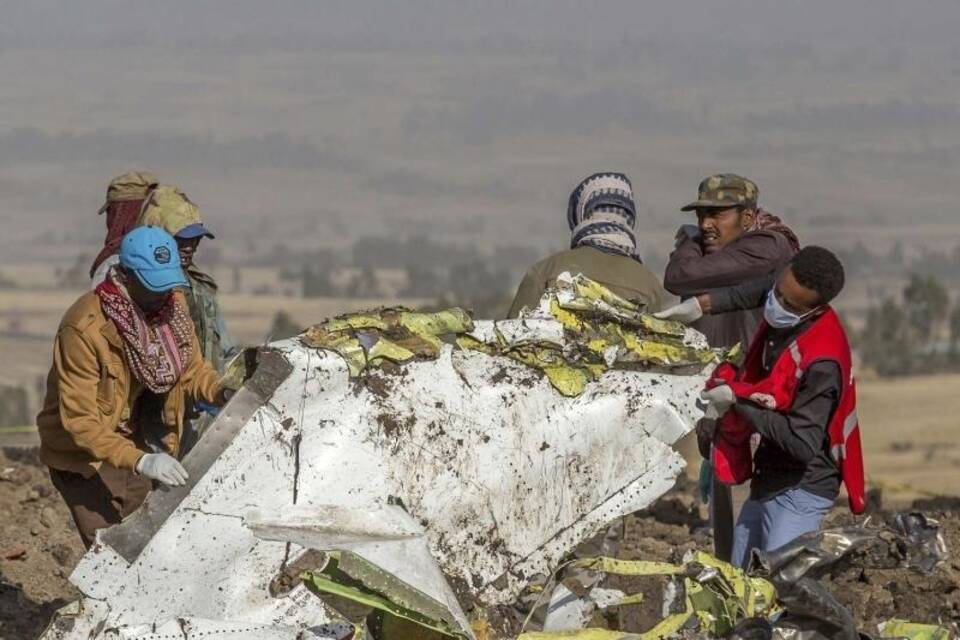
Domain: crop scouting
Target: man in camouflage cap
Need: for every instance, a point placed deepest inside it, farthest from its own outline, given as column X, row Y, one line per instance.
column 733, row 241
column 724, row 190
column 726, row 207
column 170, row 209
column 125, row 195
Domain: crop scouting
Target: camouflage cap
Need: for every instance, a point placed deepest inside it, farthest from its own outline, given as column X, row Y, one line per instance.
column 725, row 190
column 133, row 185
column 170, row 209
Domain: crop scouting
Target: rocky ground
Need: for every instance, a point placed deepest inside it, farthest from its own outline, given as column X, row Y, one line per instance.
column 39, row 547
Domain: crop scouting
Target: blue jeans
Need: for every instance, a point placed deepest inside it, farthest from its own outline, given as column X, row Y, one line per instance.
column 769, row 524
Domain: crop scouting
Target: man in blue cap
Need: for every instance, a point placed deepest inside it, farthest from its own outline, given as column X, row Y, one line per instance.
column 118, row 347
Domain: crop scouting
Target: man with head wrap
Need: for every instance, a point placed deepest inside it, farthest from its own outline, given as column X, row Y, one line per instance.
column 603, row 246
column 125, row 195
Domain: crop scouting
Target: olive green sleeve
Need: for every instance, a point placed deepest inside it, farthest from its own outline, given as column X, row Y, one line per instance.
column 531, row 289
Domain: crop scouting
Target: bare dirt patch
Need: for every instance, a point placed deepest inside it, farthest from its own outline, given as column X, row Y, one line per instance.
column 39, row 546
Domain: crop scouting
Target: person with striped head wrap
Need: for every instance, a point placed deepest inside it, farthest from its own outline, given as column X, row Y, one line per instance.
column 602, row 218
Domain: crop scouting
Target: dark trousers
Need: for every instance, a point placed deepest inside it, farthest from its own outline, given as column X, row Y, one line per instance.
column 103, row 499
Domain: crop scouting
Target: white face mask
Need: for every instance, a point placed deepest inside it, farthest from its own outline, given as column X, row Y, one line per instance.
column 778, row 317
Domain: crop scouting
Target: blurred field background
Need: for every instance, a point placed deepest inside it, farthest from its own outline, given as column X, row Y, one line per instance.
column 354, row 153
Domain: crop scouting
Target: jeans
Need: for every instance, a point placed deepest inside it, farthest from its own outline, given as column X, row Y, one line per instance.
column 769, row 524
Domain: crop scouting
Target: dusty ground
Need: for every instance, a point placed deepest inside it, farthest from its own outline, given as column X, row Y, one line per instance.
column 874, row 587
column 38, row 546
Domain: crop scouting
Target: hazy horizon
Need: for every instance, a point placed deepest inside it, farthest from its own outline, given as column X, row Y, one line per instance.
column 316, row 123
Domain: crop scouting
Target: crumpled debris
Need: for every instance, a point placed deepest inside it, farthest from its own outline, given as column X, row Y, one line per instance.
column 912, row 631
column 583, row 634
column 239, row 369
column 712, row 597
column 924, row 544
column 811, row 611
column 599, row 330
column 580, row 330
column 810, row 552
column 755, row 628
column 398, row 610
column 391, row 335
column 781, row 597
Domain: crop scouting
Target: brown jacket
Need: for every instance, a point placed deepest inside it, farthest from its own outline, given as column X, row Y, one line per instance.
column 88, row 388
column 626, row 277
column 753, row 255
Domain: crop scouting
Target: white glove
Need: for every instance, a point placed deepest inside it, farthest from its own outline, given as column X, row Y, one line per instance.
column 686, row 312
column 163, row 468
column 719, row 400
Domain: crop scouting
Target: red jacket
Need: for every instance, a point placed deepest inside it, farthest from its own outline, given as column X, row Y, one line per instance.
column 824, row 340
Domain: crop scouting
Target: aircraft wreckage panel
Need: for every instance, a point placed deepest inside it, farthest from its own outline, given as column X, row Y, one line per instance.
column 479, row 461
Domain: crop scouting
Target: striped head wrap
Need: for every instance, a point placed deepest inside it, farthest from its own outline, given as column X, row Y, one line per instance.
column 601, row 214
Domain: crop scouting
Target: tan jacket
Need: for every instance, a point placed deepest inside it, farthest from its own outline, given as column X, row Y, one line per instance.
column 89, row 386
column 626, row 277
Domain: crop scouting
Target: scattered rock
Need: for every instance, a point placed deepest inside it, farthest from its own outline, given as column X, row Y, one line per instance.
column 48, row 517
column 62, row 554
column 14, row 475
column 15, row 552
column 31, row 588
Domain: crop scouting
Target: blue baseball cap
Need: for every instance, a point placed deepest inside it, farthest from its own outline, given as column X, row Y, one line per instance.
column 196, row 230
column 151, row 253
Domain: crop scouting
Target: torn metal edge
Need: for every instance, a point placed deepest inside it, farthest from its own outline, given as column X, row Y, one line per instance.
column 130, row 538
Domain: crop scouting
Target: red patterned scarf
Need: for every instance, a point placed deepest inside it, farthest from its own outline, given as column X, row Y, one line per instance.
column 159, row 346
column 766, row 221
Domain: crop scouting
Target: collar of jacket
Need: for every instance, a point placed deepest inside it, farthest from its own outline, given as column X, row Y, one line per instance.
column 109, row 331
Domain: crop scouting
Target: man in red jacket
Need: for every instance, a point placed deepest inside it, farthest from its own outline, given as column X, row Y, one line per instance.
column 796, row 390
column 733, row 241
